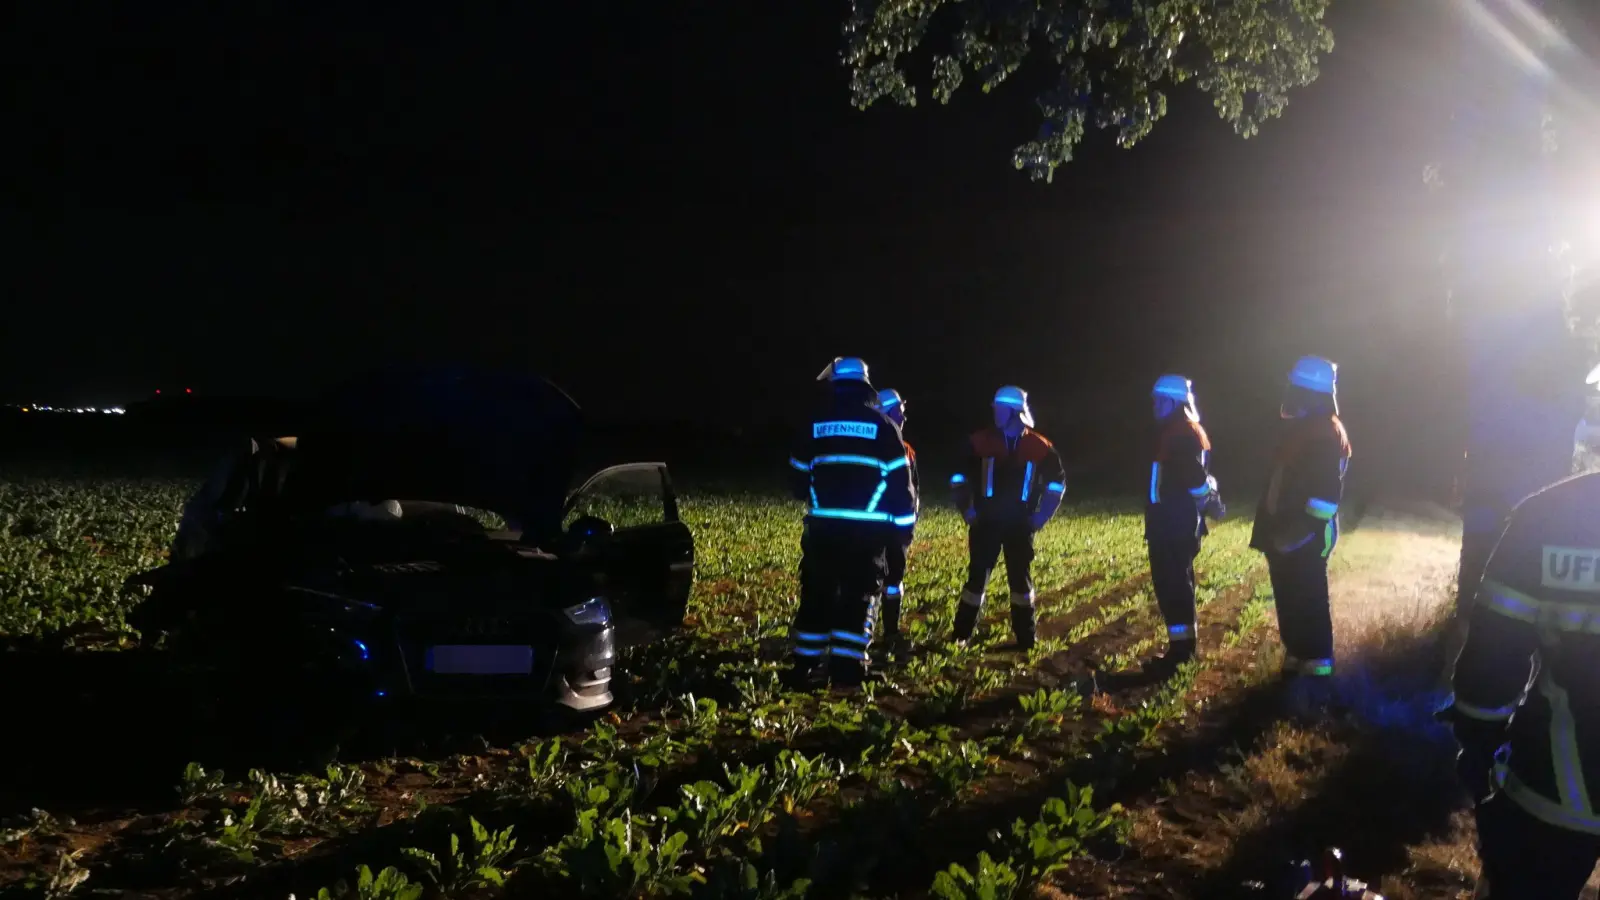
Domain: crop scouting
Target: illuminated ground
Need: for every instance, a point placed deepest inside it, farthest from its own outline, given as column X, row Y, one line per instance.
column 1215, row 781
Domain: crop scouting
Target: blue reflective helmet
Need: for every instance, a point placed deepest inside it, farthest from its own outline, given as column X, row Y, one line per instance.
column 889, row 398
column 1177, row 387
column 1313, row 384
column 1180, row 391
column 1015, row 398
column 1315, row 374
column 844, row 368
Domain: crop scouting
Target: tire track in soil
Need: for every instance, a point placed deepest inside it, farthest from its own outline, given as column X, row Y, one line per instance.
column 958, row 833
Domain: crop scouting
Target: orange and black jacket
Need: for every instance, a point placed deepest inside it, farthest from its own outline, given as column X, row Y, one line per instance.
column 1180, row 483
column 1009, row 479
column 1300, row 507
column 1526, row 672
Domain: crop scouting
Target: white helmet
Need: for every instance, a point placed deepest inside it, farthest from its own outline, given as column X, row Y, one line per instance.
column 1013, row 397
column 844, row 368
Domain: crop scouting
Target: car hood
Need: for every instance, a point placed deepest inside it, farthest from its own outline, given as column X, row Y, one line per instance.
column 503, row 442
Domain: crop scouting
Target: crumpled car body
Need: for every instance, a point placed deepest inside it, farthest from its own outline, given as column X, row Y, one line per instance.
column 418, row 543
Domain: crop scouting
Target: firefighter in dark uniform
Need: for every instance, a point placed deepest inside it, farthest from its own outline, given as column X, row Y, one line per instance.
column 1182, row 494
column 851, row 469
column 1010, row 486
column 1526, row 709
column 1297, row 521
column 894, row 408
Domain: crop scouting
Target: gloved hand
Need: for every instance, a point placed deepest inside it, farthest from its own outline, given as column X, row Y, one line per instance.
column 970, row 514
column 1038, row 520
column 1213, row 506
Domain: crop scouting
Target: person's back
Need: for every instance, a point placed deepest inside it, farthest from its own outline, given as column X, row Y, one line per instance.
column 853, row 473
column 851, row 465
column 1536, row 615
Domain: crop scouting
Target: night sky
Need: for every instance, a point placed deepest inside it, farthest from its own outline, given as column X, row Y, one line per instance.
column 677, row 213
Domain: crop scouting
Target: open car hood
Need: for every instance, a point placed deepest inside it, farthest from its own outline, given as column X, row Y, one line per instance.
column 502, row 442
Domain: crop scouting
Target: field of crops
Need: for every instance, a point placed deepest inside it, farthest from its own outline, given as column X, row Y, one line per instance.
column 961, row 772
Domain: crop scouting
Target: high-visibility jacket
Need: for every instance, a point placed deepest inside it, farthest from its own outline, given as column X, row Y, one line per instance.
column 1526, row 672
column 1180, row 481
column 1009, row 478
column 850, row 465
column 1300, row 506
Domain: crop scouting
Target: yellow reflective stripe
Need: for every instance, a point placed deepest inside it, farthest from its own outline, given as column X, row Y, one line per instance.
column 1484, row 713
column 1564, row 750
column 1546, row 810
column 1578, row 618
column 1512, row 604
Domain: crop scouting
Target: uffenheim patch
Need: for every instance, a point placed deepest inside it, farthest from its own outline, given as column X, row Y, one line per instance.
column 865, row 430
column 1571, row 569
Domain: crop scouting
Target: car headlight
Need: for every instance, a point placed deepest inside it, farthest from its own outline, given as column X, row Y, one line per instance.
column 594, row 611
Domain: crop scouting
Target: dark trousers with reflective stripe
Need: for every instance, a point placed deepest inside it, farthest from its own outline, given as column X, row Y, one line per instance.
column 1527, row 859
column 987, row 539
column 1172, row 577
column 1300, row 592
column 842, row 573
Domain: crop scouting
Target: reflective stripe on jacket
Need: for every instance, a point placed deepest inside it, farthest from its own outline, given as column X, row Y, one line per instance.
column 1537, row 610
column 849, row 464
column 1009, row 478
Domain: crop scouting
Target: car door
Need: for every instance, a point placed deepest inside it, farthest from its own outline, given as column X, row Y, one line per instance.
column 645, row 565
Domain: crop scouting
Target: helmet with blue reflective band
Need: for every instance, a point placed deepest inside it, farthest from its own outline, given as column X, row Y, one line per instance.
column 1175, row 386
column 844, row 368
column 1315, row 374
column 1313, row 384
column 892, row 405
column 1179, row 392
column 1015, row 398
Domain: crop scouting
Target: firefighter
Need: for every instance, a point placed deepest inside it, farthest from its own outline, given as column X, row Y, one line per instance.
column 852, row 471
column 1297, row 521
column 1182, row 493
column 894, row 408
column 1525, row 686
column 1010, row 486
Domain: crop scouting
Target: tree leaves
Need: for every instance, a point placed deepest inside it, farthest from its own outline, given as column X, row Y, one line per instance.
column 1114, row 57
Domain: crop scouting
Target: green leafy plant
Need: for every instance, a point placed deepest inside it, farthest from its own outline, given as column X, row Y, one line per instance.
column 621, row 857
column 389, row 884
column 993, row 880
column 480, row 864
column 1047, row 710
column 199, row 784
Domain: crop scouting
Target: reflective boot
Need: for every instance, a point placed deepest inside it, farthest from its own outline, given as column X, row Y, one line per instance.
column 1181, row 647
column 1022, row 620
column 967, row 615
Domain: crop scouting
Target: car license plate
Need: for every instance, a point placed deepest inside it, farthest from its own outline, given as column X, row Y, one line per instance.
column 480, row 659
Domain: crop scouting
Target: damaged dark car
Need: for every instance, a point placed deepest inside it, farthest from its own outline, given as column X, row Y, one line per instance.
column 417, row 547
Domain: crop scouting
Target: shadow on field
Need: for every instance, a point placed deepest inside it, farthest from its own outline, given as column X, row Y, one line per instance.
column 1395, row 786
column 908, row 863
column 106, row 731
